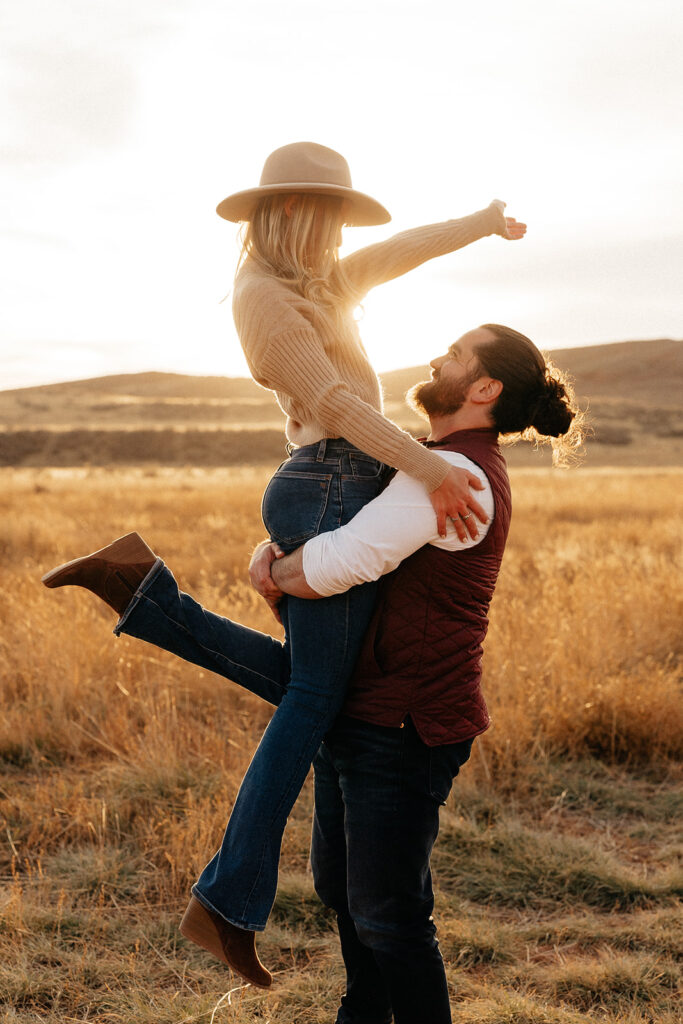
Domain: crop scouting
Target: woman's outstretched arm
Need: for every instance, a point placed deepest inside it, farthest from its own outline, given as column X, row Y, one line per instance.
column 384, row 261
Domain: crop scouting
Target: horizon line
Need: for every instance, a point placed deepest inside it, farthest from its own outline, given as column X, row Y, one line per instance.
column 244, row 377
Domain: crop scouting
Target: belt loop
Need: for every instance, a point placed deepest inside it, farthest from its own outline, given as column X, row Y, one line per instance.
column 322, row 449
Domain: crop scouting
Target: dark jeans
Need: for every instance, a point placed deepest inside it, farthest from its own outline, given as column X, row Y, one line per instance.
column 377, row 797
column 318, row 488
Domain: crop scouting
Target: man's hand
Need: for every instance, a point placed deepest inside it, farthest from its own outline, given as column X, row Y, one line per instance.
column 259, row 573
column 453, row 500
column 514, row 229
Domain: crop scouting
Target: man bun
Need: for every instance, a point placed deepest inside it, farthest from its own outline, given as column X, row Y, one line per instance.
column 537, row 402
column 551, row 414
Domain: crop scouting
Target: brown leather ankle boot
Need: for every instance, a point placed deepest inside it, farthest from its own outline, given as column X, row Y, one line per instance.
column 113, row 573
column 234, row 946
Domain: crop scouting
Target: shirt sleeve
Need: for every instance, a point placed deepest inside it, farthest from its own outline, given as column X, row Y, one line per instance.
column 384, row 261
column 388, row 529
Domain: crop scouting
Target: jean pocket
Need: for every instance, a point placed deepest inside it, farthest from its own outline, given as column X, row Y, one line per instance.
column 294, row 504
column 444, row 764
column 360, row 486
column 364, row 467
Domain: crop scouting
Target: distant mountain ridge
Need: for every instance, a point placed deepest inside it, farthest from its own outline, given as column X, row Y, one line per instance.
column 641, row 371
column 638, row 370
column 632, row 390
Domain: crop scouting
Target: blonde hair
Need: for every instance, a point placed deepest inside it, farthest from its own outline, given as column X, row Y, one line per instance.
column 300, row 248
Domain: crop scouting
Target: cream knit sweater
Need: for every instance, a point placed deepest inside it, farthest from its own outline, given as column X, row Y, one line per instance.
column 323, row 381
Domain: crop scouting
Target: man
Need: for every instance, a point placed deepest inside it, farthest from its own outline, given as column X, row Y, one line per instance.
column 414, row 704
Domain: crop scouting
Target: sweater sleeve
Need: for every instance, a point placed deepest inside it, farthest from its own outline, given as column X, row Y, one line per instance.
column 340, row 412
column 384, row 261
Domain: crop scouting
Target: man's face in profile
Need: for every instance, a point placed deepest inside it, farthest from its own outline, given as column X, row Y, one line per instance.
column 452, row 376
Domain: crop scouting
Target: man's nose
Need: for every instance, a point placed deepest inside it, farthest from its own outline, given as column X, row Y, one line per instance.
column 437, row 362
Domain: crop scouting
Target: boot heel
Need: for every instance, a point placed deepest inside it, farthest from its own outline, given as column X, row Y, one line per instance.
column 231, row 945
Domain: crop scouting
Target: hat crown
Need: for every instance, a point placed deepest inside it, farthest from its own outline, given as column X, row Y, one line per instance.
column 302, row 162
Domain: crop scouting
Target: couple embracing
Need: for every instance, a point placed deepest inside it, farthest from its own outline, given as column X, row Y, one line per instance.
column 381, row 564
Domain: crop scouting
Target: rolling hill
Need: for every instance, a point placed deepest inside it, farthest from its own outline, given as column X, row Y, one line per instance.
column 632, row 390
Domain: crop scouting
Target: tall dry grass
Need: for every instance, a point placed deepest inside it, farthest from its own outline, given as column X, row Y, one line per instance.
column 120, row 763
column 582, row 657
column 585, row 646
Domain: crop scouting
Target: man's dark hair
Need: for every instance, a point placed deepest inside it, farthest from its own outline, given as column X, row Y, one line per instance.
column 537, row 401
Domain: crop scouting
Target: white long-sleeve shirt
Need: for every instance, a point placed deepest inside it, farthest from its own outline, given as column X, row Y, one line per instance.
column 395, row 524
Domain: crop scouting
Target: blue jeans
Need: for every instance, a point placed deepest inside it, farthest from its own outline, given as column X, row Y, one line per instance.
column 319, row 488
column 377, row 797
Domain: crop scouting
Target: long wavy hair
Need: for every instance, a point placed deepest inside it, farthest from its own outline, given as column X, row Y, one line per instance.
column 301, row 249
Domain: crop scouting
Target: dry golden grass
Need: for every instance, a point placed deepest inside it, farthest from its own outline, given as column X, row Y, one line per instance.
column 118, row 763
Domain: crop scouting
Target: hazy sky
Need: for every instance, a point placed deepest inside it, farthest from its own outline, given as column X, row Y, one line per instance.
column 124, row 122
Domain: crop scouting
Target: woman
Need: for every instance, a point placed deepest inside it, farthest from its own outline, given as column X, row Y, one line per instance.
column 293, row 305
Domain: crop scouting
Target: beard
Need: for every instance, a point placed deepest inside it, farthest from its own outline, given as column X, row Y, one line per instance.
column 440, row 398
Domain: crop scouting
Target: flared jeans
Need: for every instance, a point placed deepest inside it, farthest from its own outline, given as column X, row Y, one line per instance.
column 318, row 488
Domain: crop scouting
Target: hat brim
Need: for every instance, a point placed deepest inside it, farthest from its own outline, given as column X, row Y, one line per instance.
column 361, row 210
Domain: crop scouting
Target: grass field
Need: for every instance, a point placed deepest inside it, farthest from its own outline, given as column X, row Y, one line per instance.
column 557, row 868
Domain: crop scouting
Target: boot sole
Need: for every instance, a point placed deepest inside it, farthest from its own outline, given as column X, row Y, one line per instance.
column 198, row 927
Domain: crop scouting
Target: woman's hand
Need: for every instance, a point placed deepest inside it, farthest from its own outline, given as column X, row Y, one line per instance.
column 514, row 229
column 259, row 573
column 453, row 500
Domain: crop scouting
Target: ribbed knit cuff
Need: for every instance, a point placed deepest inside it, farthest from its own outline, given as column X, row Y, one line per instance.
column 496, row 219
column 423, row 464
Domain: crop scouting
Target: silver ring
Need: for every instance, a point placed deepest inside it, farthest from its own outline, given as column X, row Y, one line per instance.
column 468, row 516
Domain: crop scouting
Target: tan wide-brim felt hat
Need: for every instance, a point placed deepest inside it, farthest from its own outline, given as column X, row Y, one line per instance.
column 310, row 168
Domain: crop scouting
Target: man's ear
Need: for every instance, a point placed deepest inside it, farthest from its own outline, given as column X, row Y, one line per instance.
column 485, row 390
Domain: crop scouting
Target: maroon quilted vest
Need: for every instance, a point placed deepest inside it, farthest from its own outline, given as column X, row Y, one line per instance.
column 422, row 652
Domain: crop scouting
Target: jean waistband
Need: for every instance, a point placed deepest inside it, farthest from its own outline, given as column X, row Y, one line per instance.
column 327, row 447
